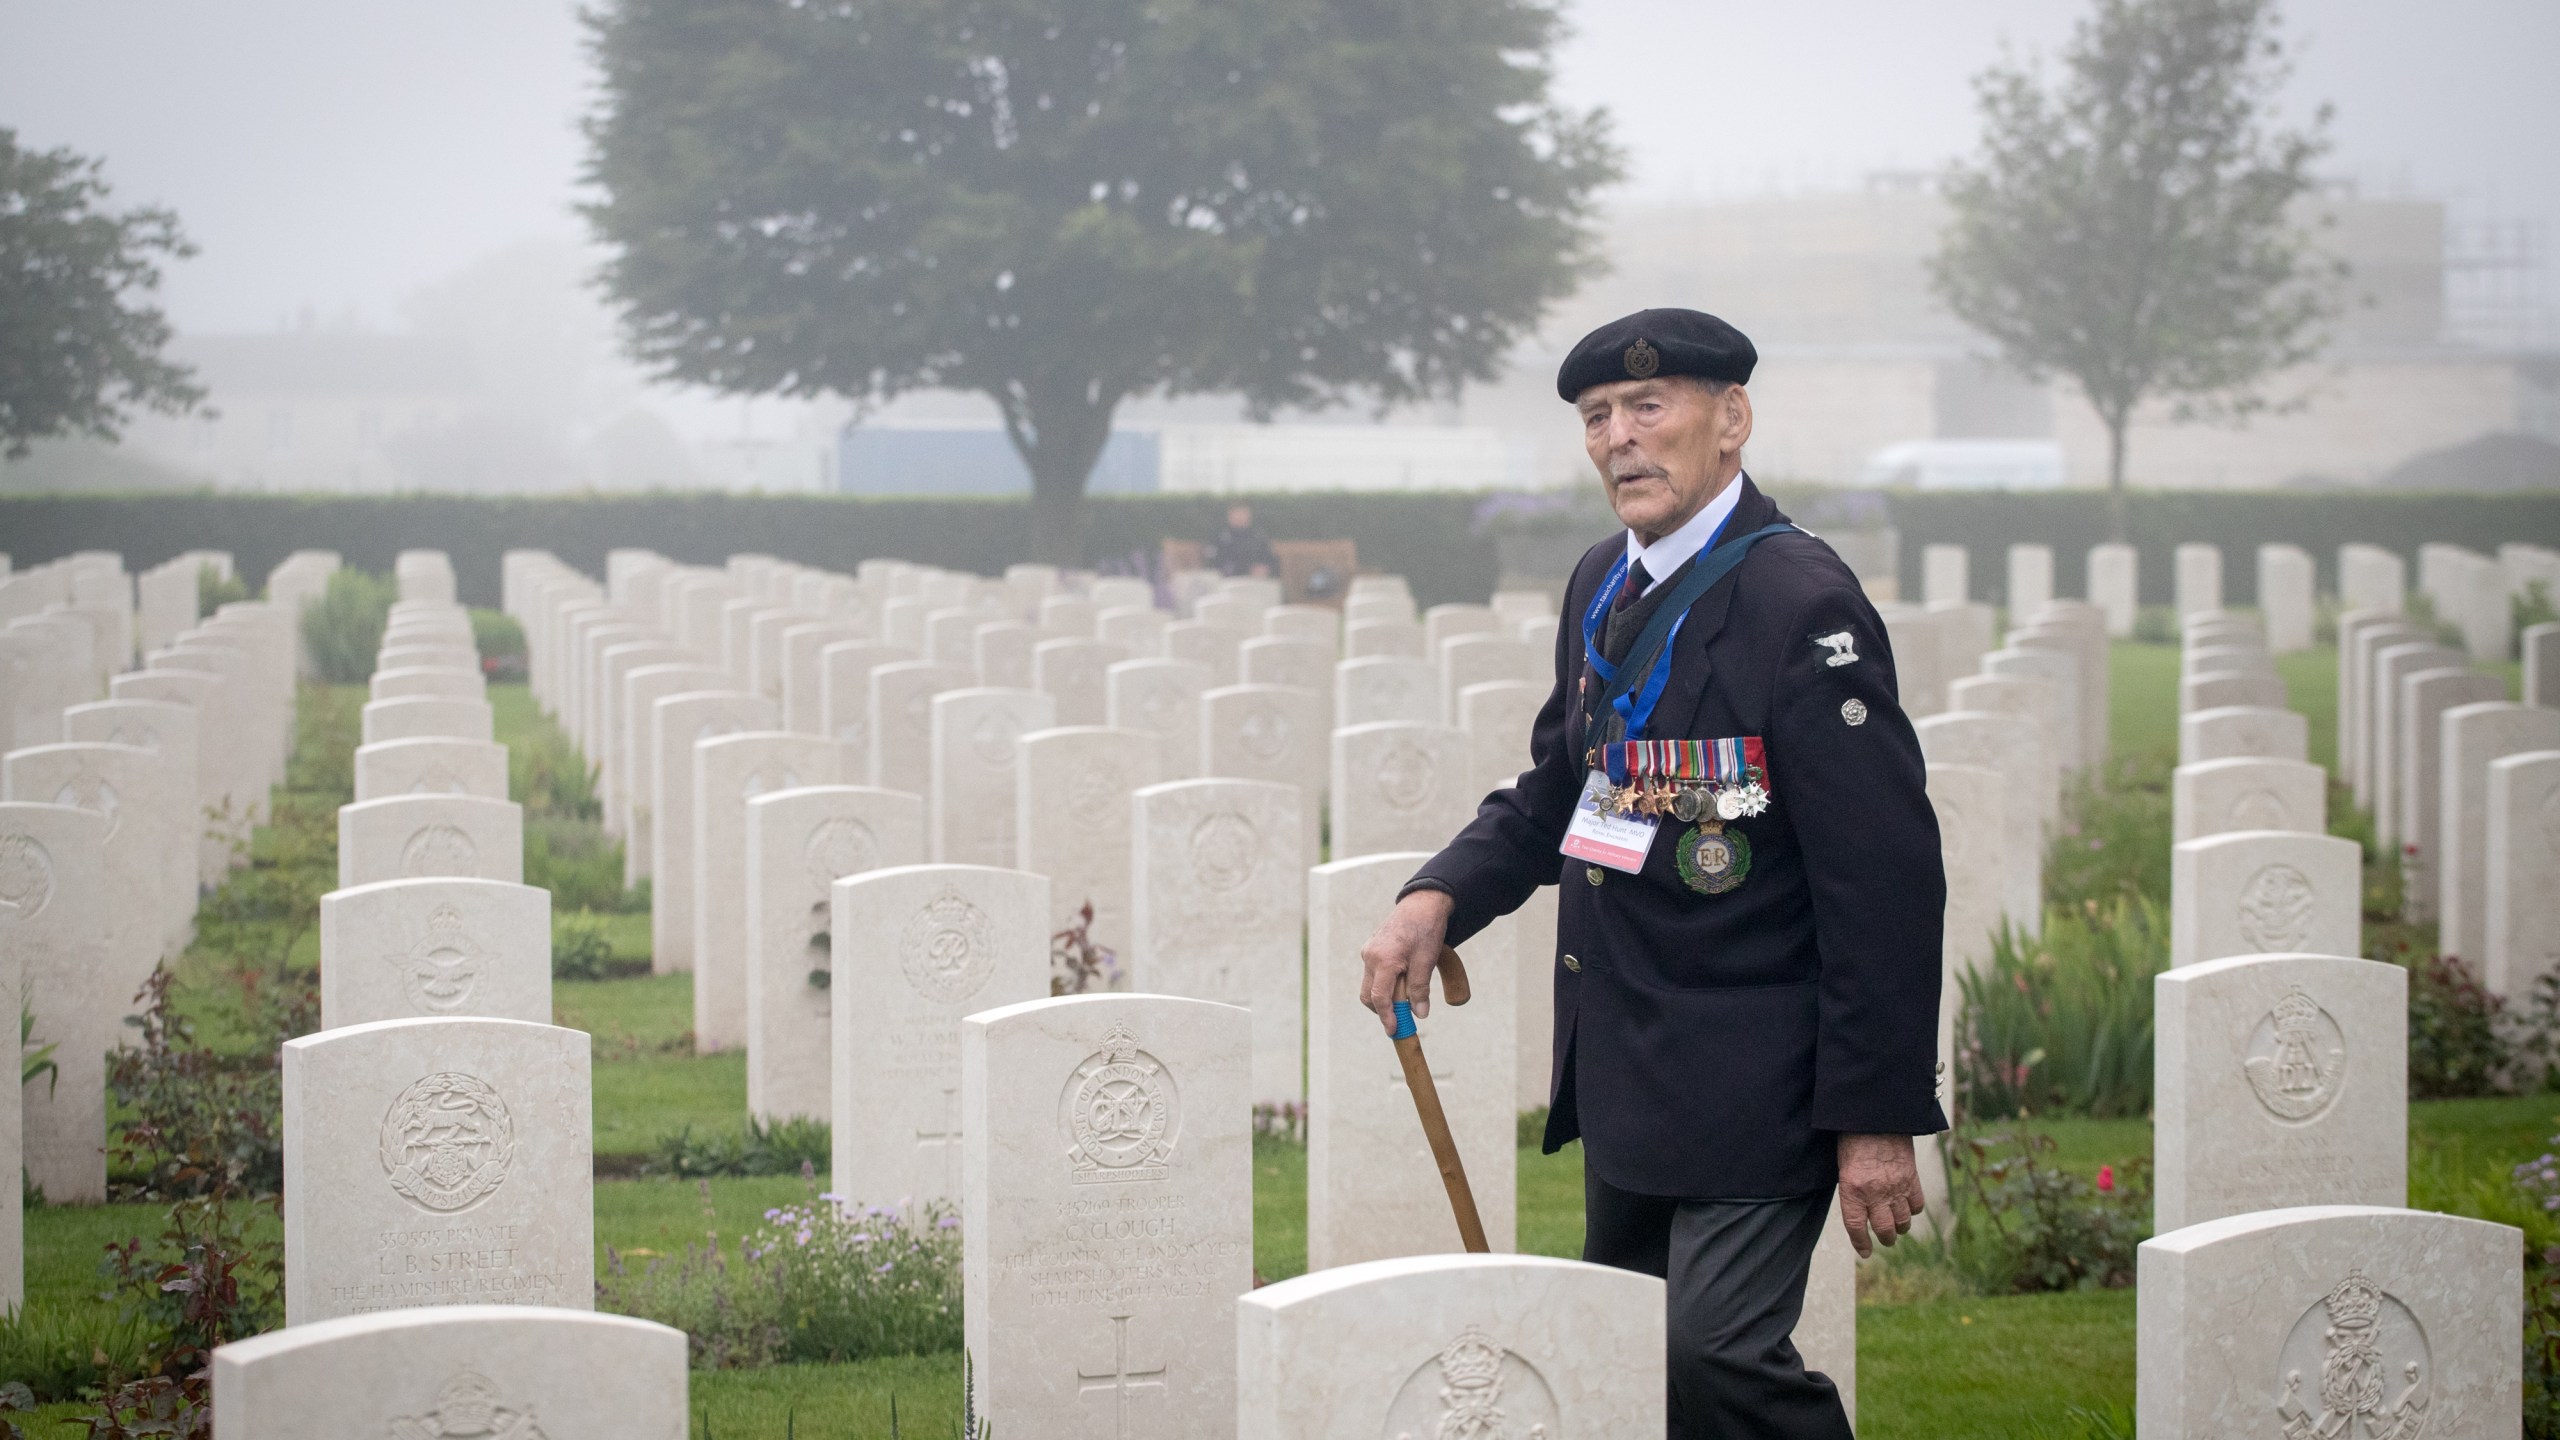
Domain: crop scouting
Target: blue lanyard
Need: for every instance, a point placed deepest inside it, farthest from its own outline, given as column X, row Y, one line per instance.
column 1636, row 706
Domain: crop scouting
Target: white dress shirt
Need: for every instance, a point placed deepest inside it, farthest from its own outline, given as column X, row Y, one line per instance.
column 1674, row 550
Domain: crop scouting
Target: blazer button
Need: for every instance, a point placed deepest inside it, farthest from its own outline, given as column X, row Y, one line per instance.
column 1593, row 873
column 1573, row 965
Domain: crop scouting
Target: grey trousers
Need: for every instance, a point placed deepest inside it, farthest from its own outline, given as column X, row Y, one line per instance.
column 1735, row 1271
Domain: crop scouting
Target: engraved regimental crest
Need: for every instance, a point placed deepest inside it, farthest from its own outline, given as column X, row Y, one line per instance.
column 1642, row 360
column 26, row 876
column 1405, row 775
column 2261, row 810
column 447, row 1142
column 837, row 848
column 467, row 1408
column 439, row 973
column 1225, row 849
column 948, row 950
column 1265, row 734
column 90, row 791
column 439, row 850
column 992, row 739
column 2356, row 1363
column 1095, row 790
column 2297, row 1058
column 1121, row 1113
column 2275, row 909
column 1474, row 1390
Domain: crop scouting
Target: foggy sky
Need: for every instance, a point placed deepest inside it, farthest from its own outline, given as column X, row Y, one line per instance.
column 334, row 157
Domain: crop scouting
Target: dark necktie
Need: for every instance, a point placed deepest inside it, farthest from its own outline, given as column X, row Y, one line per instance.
column 1638, row 581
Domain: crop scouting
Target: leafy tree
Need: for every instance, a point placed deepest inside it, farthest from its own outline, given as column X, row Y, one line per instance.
column 79, row 343
column 2136, row 227
column 1063, row 205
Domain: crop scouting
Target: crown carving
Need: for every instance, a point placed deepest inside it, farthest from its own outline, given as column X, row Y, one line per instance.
column 2297, row 1012
column 1472, row 1361
column 2356, row 1303
column 446, row 920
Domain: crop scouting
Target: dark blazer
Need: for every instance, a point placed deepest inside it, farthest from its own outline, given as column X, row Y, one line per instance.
column 1712, row 1046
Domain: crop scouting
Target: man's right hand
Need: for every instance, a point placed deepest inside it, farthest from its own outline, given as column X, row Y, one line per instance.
column 1399, row 957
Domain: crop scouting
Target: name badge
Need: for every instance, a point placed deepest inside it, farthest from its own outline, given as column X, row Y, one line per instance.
column 1603, row 837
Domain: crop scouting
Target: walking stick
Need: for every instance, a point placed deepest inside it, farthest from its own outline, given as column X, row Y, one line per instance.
column 1426, row 1101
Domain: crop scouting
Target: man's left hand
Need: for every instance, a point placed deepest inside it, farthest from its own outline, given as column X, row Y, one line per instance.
column 1879, row 1189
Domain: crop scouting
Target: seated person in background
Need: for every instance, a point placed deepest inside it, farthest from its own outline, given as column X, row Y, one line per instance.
column 1241, row 548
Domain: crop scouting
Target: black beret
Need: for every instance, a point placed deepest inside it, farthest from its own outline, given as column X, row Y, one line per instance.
column 1658, row 342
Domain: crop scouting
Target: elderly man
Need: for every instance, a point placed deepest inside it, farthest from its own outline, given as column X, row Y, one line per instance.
column 1747, row 945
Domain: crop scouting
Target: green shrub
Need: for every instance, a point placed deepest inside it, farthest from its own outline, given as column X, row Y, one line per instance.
column 63, row 1353
column 2532, row 608
column 343, row 628
column 580, row 949
column 821, row 1281
column 2022, row 1225
column 2061, row 1024
column 784, row 1147
column 576, row 861
column 2115, row 835
column 500, row 641
column 215, row 589
column 549, row 778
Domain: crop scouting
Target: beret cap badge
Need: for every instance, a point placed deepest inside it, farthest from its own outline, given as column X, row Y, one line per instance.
column 1642, row 360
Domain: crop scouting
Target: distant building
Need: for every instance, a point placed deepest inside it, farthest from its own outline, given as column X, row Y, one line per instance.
column 310, row 410
column 959, row 458
column 1857, row 355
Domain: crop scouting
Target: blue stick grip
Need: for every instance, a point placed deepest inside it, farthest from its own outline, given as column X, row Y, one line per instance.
column 1404, row 1020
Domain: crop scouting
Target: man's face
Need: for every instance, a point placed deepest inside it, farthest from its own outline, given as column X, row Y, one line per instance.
column 1239, row 517
column 1664, row 447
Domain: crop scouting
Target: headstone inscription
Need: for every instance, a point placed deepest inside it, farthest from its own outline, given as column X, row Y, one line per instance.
column 2264, row 892
column 916, row 948
column 1218, row 910
column 2328, row 1320
column 2281, row 1080
column 470, row 1372
column 1452, row 1345
column 53, row 905
column 799, row 842
column 445, row 945
column 1107, row 1212
column 437, row 1162
column 408, row 837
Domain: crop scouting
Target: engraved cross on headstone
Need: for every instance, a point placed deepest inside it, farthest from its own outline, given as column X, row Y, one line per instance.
column 948, row 1137
column 1120, row 1380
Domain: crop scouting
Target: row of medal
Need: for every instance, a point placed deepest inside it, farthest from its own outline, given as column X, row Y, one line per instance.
column 1689, row 801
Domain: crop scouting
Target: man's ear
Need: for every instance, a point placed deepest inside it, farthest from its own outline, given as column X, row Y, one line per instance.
column 1737, row 420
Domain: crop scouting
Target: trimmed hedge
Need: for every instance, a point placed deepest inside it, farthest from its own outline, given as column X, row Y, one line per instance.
column 1451, row 546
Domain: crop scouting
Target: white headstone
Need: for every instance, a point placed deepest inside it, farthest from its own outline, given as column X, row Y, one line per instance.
column 1943, row 574
column 511, row 1372
column 728, row 772
column 2243, row 731
column 2281, row 1080
column 1202, row 643
column 1075, row 673
column 167, row 728
column 431, row 765
column 2199, row 578
column 2215, row 797
column 2285, row 596
column 2221, row 689
column 416, row 949
column 1071, row 816
column 799, row 843
column 1269, row 732
column 1373, row 1190
column 971, row 813
column 2036, row 701
column 916, row 948
column 13, row 1229
column 2425, row 696
column 1438, row 1345
column 1496, row 718
column 437, row 1162
column 426, row 715
column 2372, row 578
column 54, row 903
column 150, row 851
column 1484, row 659
column 1218, row 909
column 2541, row 648
column 1364, row 638
column 2030, row 581
column 677, row 724
column 2115, row 585
column 2383, row 737
column 2329, row 1320
column 2358, row 649
column 2062, row 672
column 902, row 722
column 1107, row 1217
column 423, row 682
column 2521, row 891
column 2010, row 747
column 1398, row 787
column 1382, row 688
column 844, row 690
column 1162, row 698
column 2264, row 892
